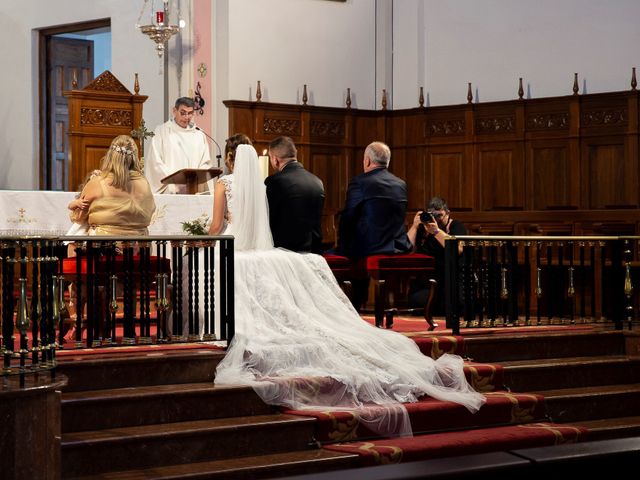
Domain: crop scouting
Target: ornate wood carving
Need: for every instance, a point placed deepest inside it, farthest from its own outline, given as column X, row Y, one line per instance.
column 604, row 117
column 327, row 128
column 98, row 113
column 548, row 121
column 106, row 82
column 440, row 128
column 496, row 125
column 108, row 117
column 281, row 126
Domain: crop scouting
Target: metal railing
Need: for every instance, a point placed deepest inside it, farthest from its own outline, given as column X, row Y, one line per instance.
column 535, row 280
column 77, row 292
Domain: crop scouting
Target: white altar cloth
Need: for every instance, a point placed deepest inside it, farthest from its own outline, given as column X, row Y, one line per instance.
column 33, row 212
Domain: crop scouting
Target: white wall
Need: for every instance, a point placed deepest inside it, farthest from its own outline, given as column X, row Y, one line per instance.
column 286, row 44
column 443, row 44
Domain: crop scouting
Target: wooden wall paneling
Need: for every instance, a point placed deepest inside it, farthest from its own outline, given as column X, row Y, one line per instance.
column 515, row 166
column 606, row 147
column 545, row 228
column 611, row 178
column 243, row 121
column 552, row 176
column 501, row 176
column 451, row 175
column 450, row 168
column 606, row 227
column 552, row 155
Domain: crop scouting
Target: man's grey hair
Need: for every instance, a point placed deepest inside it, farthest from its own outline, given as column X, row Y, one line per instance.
column 379, row 153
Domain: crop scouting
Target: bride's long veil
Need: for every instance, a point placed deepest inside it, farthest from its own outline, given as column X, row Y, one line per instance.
column 299, row 343
column 249, row 208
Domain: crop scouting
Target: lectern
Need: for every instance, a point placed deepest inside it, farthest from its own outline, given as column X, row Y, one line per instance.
column 191, row 177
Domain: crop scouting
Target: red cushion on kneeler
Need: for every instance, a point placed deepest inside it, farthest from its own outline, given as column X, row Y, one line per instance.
column 406, row 261
column 69, row 265
column 337, row 261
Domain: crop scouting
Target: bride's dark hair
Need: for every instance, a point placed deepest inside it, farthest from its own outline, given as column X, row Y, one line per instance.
column 232, row 143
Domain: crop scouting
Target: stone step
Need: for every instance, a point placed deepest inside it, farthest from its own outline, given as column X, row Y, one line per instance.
column 520, row 346
column 122, row 407
column 147, row 446
column 120, row 367
column 610, row 428
column 592, row 403
column 568, row 372
column 240, row 468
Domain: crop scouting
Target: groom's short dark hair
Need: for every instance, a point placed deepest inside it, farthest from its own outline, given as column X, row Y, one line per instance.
column 283, row 147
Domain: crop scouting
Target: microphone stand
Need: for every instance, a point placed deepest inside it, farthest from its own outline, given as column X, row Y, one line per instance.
column 219, row 155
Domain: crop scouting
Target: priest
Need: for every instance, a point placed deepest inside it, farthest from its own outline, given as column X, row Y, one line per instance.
column 176, row 144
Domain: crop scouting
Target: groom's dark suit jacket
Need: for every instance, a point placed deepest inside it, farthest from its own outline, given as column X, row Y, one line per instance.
column 374, row 215
column 296, row 199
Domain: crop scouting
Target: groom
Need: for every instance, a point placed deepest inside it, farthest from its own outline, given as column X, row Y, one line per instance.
column 296, row 199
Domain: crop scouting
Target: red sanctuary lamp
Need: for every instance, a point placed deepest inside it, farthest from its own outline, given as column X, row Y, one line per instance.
column 159, row 29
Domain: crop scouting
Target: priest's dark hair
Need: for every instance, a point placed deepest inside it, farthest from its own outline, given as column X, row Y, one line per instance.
column 185, row 101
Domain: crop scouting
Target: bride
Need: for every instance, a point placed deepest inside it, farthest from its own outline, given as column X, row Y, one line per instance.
column 299, row 343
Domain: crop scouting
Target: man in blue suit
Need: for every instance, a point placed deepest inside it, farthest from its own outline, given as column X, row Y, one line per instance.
column 372, row 221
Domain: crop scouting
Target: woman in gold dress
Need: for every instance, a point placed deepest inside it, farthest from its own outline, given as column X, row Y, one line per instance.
column 119, row 201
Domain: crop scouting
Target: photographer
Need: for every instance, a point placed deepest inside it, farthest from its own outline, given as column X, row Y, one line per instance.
column 427, row 234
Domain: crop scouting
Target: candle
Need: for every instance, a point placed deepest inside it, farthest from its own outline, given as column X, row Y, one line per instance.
column 263, row 162
column 160, row 18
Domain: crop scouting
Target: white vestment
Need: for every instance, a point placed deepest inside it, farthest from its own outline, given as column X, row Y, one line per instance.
column 300, row 343
column 174, row 148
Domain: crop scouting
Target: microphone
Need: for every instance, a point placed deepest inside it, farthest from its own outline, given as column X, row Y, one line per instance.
column 219, row 155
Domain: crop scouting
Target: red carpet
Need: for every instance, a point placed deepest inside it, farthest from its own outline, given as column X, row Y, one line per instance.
column 417, row 326
column 439, row 445
column 430, row 415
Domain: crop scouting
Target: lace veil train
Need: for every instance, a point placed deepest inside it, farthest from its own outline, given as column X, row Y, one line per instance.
column 299, row 342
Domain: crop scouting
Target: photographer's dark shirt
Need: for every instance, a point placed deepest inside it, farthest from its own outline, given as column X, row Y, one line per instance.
column 428, row 245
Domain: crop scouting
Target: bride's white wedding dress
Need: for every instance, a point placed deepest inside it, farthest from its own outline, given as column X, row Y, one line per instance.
column 298, row 340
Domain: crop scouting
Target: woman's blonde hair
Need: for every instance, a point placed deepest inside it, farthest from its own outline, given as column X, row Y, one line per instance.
column 120, row 160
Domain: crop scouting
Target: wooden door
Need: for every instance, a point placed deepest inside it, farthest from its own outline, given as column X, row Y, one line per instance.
column 67, row 58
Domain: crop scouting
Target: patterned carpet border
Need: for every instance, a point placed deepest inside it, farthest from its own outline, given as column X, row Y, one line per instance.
column 440, row 445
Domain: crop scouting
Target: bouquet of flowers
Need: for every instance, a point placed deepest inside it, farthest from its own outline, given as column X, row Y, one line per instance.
column 198, row 226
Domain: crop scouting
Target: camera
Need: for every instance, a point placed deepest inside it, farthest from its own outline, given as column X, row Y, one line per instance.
column 430, row 216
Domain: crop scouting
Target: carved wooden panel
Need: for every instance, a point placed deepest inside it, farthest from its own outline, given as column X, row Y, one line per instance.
column 501, row 179
column 547, row 121
column 496, row 124
column 106, row 117
column 610, row 117
column 327, row 129
column 278, row 126
column 445, row 127
column 553, row 180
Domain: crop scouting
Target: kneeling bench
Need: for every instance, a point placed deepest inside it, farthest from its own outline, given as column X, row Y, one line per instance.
column 384, row 268
column 341, row 268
